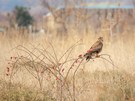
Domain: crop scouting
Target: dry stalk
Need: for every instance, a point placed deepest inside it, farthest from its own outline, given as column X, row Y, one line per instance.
column 52, row 66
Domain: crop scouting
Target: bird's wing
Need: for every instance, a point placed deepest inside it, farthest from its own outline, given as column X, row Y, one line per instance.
column 96, row 46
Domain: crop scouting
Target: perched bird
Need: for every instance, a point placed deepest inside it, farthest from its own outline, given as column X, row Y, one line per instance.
column 95, row 49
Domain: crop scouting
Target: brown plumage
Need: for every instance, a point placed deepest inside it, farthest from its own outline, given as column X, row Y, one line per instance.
column 95, row 49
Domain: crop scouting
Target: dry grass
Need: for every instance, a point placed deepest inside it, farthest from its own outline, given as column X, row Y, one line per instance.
column 38, row 73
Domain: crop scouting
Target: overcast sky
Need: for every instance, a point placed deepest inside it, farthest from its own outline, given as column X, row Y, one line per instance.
column 8, row 5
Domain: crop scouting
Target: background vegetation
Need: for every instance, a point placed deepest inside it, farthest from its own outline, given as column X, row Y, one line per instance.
column 48, row 65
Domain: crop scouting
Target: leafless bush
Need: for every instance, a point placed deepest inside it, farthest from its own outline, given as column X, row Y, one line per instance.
column 45, row 65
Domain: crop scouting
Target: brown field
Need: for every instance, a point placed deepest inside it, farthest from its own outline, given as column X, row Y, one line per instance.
column 36, row 72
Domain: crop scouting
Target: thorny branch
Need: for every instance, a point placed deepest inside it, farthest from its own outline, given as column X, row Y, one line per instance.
column 51, row 64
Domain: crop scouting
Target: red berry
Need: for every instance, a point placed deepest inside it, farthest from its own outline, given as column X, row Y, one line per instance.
column 59, row 64
column 7, row 74
column 7, row 69
column 80, row 56
column 63, row 70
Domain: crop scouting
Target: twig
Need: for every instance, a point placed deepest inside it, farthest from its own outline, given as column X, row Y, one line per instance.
column 70, row 48
column 74, row 78
column 111, row 61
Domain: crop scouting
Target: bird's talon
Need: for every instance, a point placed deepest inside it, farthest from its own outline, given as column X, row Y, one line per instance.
column 97, row 56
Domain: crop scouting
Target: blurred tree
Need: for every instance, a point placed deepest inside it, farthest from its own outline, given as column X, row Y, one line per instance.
column 133, row 2
column 22, row 16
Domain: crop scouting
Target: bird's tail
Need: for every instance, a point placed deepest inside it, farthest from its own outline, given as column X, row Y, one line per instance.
column 87, row 56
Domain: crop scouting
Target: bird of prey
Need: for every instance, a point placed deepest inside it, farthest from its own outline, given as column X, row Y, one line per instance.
column 95, row 49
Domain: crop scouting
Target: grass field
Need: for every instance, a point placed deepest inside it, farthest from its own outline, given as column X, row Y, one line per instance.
column 49, row 69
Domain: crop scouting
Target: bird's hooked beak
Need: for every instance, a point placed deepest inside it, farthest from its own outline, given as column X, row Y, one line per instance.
column 100, row 39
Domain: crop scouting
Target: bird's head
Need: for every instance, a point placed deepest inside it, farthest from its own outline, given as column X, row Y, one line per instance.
column 100, row 39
